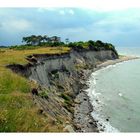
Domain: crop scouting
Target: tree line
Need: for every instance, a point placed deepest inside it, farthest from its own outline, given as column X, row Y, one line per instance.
column 34, row 41
column 38, row 40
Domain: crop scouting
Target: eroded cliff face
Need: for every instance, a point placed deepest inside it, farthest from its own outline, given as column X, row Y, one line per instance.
column 59, row 82
column 67, row 65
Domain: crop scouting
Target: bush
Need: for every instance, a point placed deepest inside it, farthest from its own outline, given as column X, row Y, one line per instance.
column 23, row 47
column 65, row 97
column 44, row 94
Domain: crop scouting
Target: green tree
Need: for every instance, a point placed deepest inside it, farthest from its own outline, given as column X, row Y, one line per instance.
column 67, row 40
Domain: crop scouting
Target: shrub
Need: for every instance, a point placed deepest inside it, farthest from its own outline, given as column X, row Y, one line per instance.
column 64, row 96
column 44, row 94
column 24, row 47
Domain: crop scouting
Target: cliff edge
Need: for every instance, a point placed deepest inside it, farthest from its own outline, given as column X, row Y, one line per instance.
column 60, row 79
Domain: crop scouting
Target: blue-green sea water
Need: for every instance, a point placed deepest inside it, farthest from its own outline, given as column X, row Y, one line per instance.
column 115, row 94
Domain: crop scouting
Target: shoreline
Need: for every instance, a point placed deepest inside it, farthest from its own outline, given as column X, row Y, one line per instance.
column 83, row 120
column 115, row 61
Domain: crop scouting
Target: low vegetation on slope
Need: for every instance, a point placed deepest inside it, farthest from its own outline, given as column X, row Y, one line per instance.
column 17, row 110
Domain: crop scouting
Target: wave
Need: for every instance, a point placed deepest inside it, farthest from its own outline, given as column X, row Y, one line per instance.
column 102, row 121
column 103, row 125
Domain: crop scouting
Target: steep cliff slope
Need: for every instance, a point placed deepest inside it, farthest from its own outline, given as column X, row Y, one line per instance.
column 57, row 80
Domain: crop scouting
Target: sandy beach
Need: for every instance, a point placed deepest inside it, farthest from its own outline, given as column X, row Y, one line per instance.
column 112, row 62
column 83, row 120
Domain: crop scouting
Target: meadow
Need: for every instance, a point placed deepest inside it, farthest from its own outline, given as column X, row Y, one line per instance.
column 18, row 113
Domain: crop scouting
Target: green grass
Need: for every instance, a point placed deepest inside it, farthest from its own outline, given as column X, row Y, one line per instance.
column 10, row 82
column 44, row 94
column 10, row 56
column 18, row 113
column 24, row 47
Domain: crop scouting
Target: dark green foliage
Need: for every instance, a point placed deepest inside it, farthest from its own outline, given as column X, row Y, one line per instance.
column 71, row 45
column 91, row 45
column 68, row 102
column 34, row 40
column 30, row 47
column 65, row 97
column 78, row 46
column 55, row 44
column 24, row 47
column 39, row 40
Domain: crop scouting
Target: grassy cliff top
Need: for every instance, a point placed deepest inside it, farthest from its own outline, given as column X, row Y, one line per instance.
column 17, row 110
column 10, row 56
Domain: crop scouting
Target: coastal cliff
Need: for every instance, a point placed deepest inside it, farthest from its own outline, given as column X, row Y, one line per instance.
column 60, row 79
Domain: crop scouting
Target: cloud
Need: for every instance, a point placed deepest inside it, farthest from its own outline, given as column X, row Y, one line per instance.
column 16, row 25
column 44, row 9
column 71, row 12
column 98, row 5
column 20, row 24
column 110, row 5
column 75, row 23
column 66, row 12
column 62, row 12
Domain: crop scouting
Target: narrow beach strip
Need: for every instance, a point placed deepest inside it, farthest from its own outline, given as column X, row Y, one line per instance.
column 113, row 62
column 83, row 107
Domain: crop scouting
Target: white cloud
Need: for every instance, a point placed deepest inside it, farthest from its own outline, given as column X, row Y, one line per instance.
column 71, row 12
column 15, row 25
column 111, row 5
column 44, row 9
column 65, row 11
column 99, row 5
column 62, row 12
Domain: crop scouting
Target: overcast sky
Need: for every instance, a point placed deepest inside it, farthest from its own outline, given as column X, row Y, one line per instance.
column 117, row 25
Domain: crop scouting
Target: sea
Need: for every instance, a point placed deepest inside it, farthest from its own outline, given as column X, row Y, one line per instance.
column 114, row 92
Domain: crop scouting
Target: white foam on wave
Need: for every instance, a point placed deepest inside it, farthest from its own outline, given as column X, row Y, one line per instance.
column 120, row 94
column 102, row 123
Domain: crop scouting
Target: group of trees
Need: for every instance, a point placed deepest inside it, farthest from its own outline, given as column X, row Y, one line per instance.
column 39, row 40
column 92, row 45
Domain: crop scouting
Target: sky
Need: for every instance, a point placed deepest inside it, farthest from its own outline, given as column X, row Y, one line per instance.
column 114, row 22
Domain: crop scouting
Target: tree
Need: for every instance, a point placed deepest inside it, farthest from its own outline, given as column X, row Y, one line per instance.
column 55, row 39
column 33, row 39
column 45, row 38
column 91, row 42
column 67, row 40
column 42, row 40
column 27, row 40
column 39, row 39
